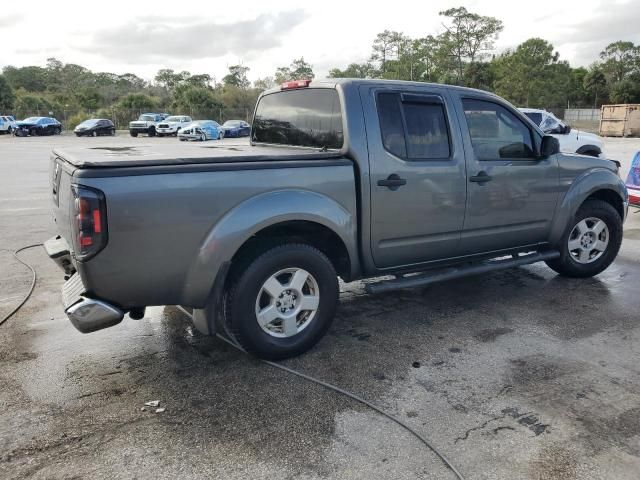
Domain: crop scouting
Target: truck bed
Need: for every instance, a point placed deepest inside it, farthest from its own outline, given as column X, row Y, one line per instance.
column 183, row 153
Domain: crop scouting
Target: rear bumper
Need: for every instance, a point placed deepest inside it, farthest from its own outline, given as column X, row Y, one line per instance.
column 85, row 313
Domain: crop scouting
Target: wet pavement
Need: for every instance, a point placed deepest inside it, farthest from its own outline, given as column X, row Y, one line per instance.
column 515, row 374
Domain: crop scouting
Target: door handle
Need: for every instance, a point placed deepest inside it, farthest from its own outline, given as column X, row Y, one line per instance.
column 481, row 178
column 393, row 181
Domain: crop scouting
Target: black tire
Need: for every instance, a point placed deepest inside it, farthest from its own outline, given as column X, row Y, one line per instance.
column 133, row 134
column 113, row 132
column 152, row 132
column 241, row 298
column 567, row 265
column 94, row 134
column 160, row 135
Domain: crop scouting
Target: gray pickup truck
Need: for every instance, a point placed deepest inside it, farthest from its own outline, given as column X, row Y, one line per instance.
column 412, row 182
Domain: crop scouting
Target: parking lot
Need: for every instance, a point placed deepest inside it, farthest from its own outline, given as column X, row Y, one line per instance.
column 518, row 374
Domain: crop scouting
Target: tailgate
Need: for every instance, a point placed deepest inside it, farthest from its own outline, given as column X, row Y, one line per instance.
column 61, row 196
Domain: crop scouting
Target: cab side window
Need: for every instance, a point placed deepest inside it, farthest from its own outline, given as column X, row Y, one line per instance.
column 496, row 133
column 413, row 126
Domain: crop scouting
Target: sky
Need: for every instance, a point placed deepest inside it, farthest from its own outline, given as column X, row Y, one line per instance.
column 203, row 37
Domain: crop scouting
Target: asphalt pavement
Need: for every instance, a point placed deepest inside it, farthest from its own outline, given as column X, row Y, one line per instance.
column 518, row 374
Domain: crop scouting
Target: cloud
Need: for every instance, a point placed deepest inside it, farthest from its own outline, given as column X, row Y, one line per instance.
column 10, row 20
column 607, row 23
column 154, row 38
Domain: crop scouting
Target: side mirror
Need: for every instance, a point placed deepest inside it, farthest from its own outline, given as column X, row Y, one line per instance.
column 567, row 128
column 549, row 146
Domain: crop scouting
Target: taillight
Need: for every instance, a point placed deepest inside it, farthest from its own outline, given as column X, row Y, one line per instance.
column 295, row 84
column 89, row 221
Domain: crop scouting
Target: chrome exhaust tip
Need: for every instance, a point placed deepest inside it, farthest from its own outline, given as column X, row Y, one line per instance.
column 89, row 315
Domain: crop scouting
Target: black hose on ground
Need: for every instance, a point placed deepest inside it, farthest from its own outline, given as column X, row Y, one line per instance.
column 352, row 396
column 33, row 279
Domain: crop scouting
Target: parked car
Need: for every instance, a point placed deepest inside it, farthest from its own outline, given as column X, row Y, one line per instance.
column 236, row 128
column 349, row 178
column 172, row 125
column 7, row 124
column 571, row 141
column 95, row 127
column 201, row 130
column 38, row 126
column 146, row 123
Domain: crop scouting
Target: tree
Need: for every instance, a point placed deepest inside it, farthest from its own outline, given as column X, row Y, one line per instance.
column 283, row 74
column 301, row 70
column 7, row 97
column 468, row 36
column 298, row 70
column 138, row 101
column 382, row 48
column 264, row 83
column 237, row 76
column 89, row 98
column 354, row 70
column 525, row 75
column 626, row 90
column 595, row 83
column 169, row 79
column 620, row 59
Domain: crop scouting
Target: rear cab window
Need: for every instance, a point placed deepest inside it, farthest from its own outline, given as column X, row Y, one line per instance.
column 306, row 117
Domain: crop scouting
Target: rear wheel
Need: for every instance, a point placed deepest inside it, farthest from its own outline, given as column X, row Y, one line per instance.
column 592, row 241
column 283, row 302
column 133, row 134
column 152, row 132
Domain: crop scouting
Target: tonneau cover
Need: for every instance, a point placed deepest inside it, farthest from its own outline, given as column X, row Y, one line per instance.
column 182, row 153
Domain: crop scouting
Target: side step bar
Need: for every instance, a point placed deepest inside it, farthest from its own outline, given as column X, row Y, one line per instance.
column 458, row 272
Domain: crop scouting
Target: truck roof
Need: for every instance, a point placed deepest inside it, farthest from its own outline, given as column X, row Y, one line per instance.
column 332, row 82
column 158, row 154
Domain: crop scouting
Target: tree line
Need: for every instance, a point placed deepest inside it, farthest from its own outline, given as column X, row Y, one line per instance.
column 530, row 75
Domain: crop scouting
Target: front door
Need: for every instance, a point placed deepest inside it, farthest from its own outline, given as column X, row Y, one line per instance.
column 417, row 174
column 511, row 191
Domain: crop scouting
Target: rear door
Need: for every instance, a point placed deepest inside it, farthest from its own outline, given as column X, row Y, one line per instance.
column 512, row 193
column 417, row 174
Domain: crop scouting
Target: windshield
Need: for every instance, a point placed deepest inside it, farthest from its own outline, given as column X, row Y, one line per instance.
column 304, row 117
column 147, row 118
column 551, row 124
column 535, row 117
column 88, row 123
column 32, row 119
column 173, row 119
column 232, row 123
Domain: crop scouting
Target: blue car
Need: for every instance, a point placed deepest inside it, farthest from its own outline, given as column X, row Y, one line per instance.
column 201, row 130
column 236, row 128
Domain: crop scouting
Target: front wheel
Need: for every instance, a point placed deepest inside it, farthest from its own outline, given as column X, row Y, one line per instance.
column 592, row 241
column 283, row 302
column 133, row 134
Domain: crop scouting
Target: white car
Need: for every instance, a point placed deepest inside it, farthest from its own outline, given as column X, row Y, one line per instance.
column 571, row 141
column 171, row 125
column 201, row 130
column 7, row 124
